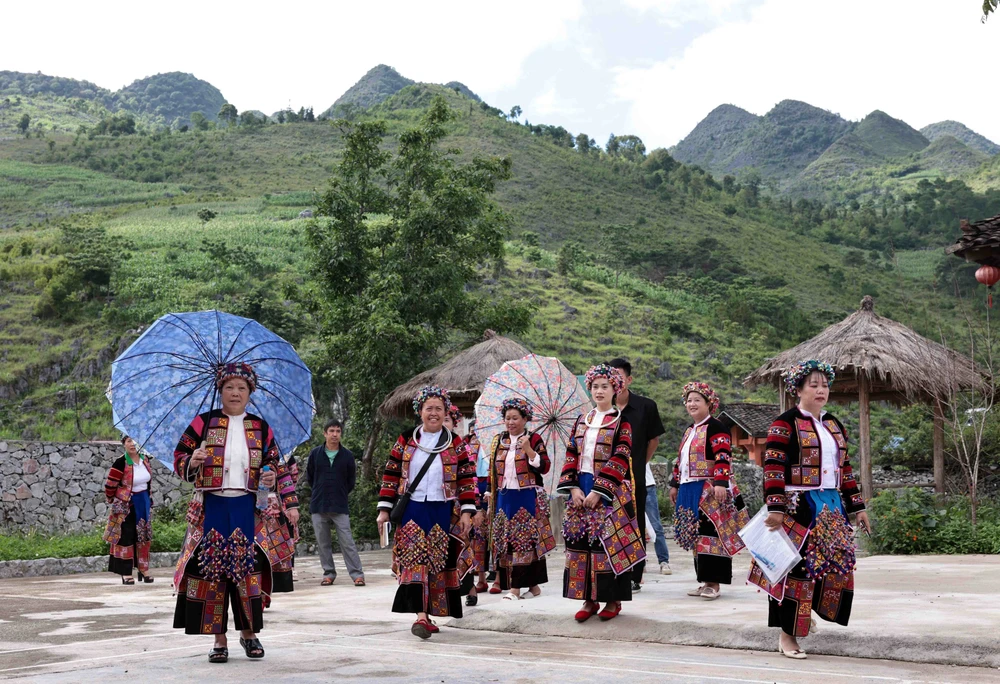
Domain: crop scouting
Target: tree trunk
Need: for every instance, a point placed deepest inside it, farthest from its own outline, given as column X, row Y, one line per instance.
column 373, row 439
column 938, row 448
column 865, row 438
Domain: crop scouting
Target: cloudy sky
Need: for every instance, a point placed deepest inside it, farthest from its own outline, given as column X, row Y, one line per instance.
column 649, row 67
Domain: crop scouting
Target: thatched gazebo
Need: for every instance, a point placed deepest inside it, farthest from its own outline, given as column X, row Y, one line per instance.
column 463, row 375
column 879, row 359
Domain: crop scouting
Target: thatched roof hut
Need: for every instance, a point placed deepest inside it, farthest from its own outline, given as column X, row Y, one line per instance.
column 879, row 359
column 463, row 375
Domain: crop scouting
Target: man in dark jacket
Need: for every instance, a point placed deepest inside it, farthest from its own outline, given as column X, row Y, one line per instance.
column 331, row 473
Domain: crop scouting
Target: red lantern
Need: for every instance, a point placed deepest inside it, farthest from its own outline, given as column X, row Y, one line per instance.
column 988, row 276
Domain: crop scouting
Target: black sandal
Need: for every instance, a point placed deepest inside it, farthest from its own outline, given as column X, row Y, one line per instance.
column 472, row 599
column 252, row 647
column 145, row 578
column 218, row 654
column 130, row 581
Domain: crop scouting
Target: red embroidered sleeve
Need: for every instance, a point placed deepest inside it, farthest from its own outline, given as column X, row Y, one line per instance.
column 466, row 476
column 186, row 446
column 850, row 490
column 545, row 463
column 569, row 477
column 775, row 458
column 720, row 443
column 616, row 469
column 114, row 478
column 391, row 475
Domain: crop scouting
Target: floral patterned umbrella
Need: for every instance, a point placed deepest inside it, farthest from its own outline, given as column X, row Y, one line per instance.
column 556, row 398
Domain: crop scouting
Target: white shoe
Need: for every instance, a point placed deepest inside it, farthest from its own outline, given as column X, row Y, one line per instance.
column 665, row 569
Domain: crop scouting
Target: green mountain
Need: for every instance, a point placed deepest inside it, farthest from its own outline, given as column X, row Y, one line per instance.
column 172, row 97
column 713, row 141
column 951, row 156
column 779, row 144
column 14, row 83
column 464, row 89
column 380, row 83
column 889, row 137
column 963, row 133
column 847, row 155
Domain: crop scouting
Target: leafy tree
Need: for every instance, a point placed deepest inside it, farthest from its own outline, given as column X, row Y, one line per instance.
column 250, row 120
column 616, row 250
column 228, row 114
column 86, row 271
column 206, row 215
column 309, row 116
column 515, row 112
column 199, row 121
column 570, row 254
column 629, row 147
column 23, row 123
column 583, row 143
column 988, row 7
column 396, row 244
column 281, row 117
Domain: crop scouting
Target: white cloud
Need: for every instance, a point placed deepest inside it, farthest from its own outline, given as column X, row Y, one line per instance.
column 679, row 12
column 922, row 61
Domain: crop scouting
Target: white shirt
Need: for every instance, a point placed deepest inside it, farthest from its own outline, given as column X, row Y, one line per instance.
column 650, row 482
column 685, row 456
column 829, row 452
column 590, row 441
column 431, row 485
column 510, row 464
column 237, row 464
column 140, row 476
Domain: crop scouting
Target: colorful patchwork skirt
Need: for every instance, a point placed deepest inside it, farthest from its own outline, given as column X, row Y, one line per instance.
column 590, row 573
column 425, row 559
column 522, row 537
column 709, row 529
column 132, row 549
column 824, row 581
column 221, row 566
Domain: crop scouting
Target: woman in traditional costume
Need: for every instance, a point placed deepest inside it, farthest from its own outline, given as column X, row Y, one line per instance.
column 128, row 531
column 809, row 489
column 522, row 534
column 424, row 553
column 480, row 535
column 281, row 535
column 709, row 510
column 227, row 453
column 600, row 527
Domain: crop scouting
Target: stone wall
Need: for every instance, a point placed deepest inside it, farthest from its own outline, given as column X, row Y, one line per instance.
column 59, row 487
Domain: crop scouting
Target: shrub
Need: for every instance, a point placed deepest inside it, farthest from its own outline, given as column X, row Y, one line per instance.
column 911, row 520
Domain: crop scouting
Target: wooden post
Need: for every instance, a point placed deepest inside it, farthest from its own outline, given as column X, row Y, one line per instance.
column 782, row 398
column 938, row 448
column 865, row 438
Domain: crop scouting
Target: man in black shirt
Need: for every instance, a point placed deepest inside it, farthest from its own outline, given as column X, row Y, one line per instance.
column 644, row 417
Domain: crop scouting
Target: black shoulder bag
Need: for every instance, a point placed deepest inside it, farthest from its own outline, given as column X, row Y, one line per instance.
column 396, row 514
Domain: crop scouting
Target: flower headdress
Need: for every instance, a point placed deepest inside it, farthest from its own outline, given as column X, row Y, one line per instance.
column 243, row 371
column 455, row 413
column 603, row 370
column 517, row 403
column 794, row 375
column 428, row 392
column 704, row 390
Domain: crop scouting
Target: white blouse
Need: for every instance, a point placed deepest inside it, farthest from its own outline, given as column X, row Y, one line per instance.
column 140, row 476
column 237, row 464
column 685, row 456
column 829, row 452
column 431, row 485
column 590, row 441
column 510, row 464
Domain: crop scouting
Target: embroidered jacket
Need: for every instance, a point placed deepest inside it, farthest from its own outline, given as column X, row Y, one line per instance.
column 459, row 474
column 792, row 458
column 710, row 455
column 212, row 427
column 612, row 456
column 118, row 490
column 527, row 475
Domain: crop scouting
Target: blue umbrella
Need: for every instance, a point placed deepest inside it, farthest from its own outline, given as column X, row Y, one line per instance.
column 167, row 377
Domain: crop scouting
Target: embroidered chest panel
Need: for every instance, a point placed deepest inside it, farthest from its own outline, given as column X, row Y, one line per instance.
column 808, row 472
column 449, row 462
column 213, row 472
column 525, row 478
column 700, row 466
column 603, row 447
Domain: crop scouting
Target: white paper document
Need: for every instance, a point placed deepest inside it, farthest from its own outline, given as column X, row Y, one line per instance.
column 772, row 549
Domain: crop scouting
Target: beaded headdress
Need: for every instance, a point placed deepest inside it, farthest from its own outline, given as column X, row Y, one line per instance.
column 429, row 392
column 794, row 375
column 517, row 403
column 603, row 370
column 704, row 390
column 243, row 371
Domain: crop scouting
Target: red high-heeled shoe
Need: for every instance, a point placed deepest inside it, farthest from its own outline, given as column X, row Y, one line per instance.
column 608, row 614
column 584, row 615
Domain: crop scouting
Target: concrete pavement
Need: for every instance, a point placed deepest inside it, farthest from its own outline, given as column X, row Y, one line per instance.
column 86, row 627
